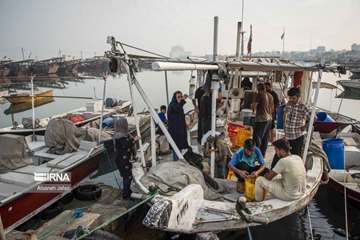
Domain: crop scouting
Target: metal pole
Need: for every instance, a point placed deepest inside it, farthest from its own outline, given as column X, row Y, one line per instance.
column 102, row 110
column 238, row 34
column 157, row 119
column 153, row 143
column 138, row 133
column 283, row 43
column 167, row 88
column 242, row 24
column 214, row 88
column 215, row 47
column 33, row 106
column 310, row 128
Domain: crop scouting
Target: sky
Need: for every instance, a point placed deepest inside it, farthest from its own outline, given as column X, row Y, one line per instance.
column 42, row 27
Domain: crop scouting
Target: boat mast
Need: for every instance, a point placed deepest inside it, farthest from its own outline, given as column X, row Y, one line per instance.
column 312, row 117
column 102, row 108
column 33, row 106
column 143, row 162
column 242, row 24
column 214, row 89
column 215, row 46
column 238, row 34
column 166, row 88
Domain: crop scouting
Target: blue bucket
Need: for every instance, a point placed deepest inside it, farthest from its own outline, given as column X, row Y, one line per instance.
column 280, row 117
column 324, row 117
column 334, row 148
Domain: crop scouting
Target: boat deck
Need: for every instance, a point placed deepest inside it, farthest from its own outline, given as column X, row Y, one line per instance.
column 18, row 180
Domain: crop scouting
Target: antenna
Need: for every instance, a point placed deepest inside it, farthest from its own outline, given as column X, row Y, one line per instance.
column 23, row 54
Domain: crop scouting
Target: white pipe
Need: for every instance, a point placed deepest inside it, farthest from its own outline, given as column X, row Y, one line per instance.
column 33, row 105
column 153, row 143
column 138, row 133
column 215, row 47
column 238, row 34
column 157, row 119
column 214, row 88
column 102, row 110
column 312, row 117
column 172, row 66
column 167, row 88
column 242, row 24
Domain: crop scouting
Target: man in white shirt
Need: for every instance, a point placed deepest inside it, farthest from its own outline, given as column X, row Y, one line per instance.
column 291, row 185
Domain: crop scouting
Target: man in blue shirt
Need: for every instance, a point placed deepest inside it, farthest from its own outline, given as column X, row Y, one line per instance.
column 247, row 161
column 162, row 116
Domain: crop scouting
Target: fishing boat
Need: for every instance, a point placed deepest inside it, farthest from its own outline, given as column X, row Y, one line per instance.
column 21, row 195
column 185, row 206
column 345, row 176
column 84, row 115
column 351, row 86
column 17, row 97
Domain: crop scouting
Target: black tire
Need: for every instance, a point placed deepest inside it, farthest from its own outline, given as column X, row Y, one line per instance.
column 88, row 192
column 52, row 211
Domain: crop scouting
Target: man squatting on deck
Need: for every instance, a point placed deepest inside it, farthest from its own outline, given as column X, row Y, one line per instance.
column 292, row 183
column 247, row 161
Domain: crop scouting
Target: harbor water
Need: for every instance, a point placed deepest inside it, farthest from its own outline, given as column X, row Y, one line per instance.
column 326, row 209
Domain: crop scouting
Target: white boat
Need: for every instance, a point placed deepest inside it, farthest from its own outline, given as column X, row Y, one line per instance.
column 89, row 115
column 351, row 86
column 186, row 207
column 349, row 178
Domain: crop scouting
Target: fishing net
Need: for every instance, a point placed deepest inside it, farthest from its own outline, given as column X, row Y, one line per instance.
column 13, row 152
column 62, row 136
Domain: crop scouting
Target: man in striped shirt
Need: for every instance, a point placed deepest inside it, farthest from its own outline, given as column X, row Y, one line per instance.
column 296, row 117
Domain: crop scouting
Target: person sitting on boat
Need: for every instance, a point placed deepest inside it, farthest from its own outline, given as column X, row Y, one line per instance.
column 296, row 116
column 291, row 185
column 176, row 121
column 247, row 161
column 124, row 150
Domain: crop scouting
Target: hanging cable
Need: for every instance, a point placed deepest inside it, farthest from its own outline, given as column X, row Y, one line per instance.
column 345, row 203
column 249, row 233
column 310, row 224
column 140, row 49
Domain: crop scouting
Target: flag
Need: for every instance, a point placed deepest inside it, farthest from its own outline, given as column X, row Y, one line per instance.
column 283, row 35
column 250, row 41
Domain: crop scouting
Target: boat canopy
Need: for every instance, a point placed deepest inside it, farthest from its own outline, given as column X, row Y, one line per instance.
column 255, row 65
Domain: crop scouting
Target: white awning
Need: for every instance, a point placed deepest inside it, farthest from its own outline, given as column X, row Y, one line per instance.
column 173, row 66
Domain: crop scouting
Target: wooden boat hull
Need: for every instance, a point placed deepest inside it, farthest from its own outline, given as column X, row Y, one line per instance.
column 350, row 194
column 39, row 98
column 28, row 204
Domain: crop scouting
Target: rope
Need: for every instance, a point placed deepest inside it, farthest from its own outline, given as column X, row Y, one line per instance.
column 310, row 224
column 249, row 233
column 140, row 49
column 345, row 203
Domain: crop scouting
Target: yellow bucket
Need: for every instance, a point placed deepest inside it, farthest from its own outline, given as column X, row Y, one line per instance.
column 250, row 188
column 231, row 176
column 242, row 135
